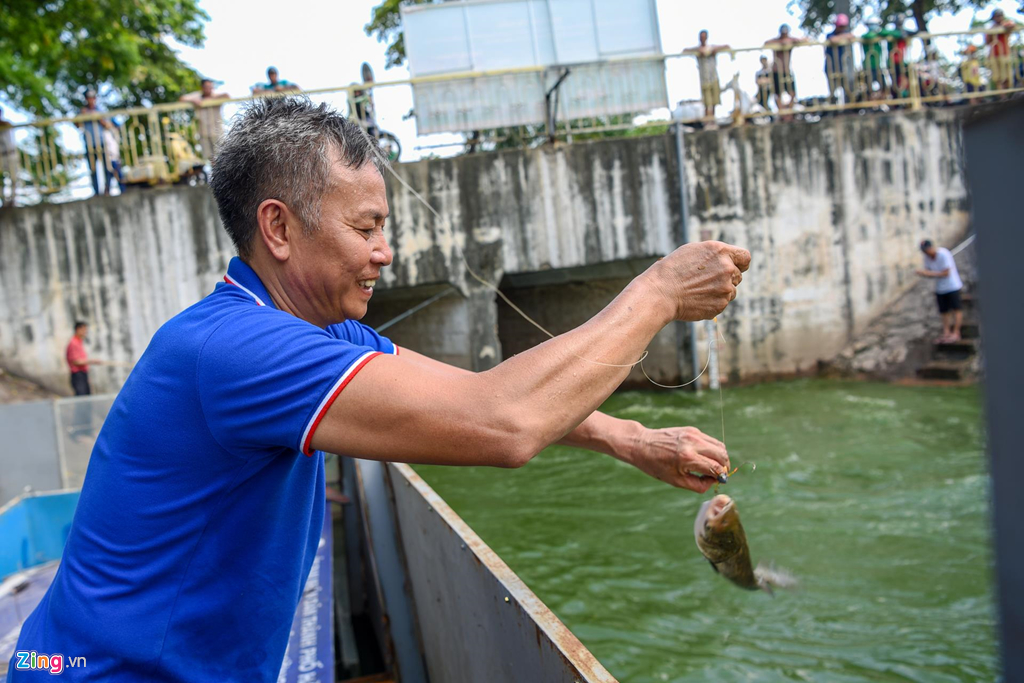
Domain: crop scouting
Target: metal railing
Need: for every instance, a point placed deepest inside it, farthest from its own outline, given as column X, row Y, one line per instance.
column 53, row 159
column 863, row 73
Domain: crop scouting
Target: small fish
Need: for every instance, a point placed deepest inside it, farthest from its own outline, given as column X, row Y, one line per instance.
column 721, row 539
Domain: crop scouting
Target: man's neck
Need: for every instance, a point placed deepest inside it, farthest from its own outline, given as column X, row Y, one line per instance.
column 274, row 282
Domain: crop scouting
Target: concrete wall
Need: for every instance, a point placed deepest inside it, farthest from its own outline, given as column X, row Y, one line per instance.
column 561, row 300
column 832, row 212
column 123, row 264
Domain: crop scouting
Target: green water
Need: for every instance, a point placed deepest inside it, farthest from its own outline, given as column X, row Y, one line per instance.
column 875, row 496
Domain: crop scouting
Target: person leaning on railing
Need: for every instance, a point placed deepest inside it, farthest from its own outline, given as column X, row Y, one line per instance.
column 839, row 60
column 896, row 45
column 763, row 78
column 208, row 115
column 930, row 74
column 873, row 60
column 782, row 49
column 970, row 70
column 707, row 67
column 95, row 149
column 274, row 84
column 1001, row 62
column 360, row 104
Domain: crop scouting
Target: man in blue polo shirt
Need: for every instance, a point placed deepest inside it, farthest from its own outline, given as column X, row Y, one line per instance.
column 201, row 508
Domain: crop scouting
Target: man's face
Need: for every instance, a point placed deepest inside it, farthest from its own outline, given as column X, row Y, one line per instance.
column 703, row 37
column 784, row 32
column 207, row 88
column 82, row 331
column 90, row 101
column 337, row 265
column 272, row 76
column 930, row 251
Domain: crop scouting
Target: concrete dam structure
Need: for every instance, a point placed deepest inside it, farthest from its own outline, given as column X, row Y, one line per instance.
column 831, row 211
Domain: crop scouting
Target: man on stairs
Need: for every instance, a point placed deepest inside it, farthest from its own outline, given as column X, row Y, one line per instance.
column 939, row 264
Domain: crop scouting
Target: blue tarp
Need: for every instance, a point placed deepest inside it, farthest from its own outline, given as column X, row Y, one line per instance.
column 33, row 530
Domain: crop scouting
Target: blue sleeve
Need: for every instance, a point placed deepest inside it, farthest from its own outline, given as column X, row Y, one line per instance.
column 359, row 334
column 266, row 380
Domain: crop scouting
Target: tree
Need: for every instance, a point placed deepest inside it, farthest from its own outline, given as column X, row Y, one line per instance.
column 386, row 24
column 818, row 14
column 51, row 50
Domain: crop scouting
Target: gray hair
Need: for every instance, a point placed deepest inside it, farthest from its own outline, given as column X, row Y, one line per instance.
column 282, row 148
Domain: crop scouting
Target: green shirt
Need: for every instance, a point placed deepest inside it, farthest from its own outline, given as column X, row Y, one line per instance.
column 873, row 49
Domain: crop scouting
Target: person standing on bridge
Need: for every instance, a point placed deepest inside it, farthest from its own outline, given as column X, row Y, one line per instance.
column 1000, row 60
column 782, row 74
column 202, row 506
column 95, row 149
column 209, row 118
column 707, row 68
column 939, row 264
column 839, row 61
column 274, row 84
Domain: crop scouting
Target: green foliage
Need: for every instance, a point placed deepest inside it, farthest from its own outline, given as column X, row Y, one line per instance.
column 819, row 14
column 386, row 24
column 50, row 51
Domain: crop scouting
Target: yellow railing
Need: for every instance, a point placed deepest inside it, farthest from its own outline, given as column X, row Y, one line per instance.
column 172, row 143
column 862, row 74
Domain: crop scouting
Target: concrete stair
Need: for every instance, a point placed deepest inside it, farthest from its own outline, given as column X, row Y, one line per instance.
column 954, row 351
column 952, row 361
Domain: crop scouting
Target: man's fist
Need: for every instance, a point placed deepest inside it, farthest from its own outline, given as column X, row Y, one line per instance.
column 698, row 280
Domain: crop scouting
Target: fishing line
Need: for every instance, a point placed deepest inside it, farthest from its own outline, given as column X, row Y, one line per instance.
column 451, row 234
column 712, row 342
column 685, row 384
column 721, row 399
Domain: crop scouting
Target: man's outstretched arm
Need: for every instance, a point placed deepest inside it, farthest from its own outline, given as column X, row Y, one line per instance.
column 671, row 454
column 396, row 409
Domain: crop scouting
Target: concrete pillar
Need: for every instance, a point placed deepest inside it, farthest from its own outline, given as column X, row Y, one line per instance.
column 484, row 346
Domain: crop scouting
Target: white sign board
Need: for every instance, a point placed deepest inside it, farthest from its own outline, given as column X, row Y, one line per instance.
column 486, row 35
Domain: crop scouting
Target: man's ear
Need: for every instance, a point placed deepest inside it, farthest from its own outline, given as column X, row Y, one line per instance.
column 277, row 227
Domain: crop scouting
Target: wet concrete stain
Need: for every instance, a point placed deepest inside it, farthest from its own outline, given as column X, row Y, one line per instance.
column 811, row 201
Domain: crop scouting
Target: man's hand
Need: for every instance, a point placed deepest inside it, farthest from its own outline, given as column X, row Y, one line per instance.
column 681, row 456
column 698, row 280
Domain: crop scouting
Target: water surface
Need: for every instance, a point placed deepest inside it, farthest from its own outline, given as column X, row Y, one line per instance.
column 875, row 496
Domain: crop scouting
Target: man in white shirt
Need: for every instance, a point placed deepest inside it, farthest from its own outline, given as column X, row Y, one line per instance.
column 939, row 264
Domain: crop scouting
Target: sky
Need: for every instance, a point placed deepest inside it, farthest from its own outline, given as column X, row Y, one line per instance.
column 322, row 44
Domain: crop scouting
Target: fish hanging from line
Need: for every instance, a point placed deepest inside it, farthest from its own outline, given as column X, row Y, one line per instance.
column 721, row 539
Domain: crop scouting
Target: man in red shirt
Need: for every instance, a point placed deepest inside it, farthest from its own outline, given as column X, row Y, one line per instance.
column 78, row 361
